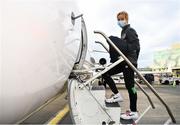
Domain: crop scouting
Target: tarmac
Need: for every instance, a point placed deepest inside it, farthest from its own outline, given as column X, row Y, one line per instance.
column 57, row 112
column 159, row 115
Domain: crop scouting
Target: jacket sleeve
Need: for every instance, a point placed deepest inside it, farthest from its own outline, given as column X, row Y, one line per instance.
column 118, row 42
column 132, row 41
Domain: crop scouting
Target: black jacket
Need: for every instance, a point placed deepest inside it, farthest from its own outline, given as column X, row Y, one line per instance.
column 128, row 44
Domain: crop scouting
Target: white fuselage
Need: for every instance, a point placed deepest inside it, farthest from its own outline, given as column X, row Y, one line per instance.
column 38, row 48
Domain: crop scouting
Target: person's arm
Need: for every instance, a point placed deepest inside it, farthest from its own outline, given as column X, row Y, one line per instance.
column 133, row 41
column 119, row 44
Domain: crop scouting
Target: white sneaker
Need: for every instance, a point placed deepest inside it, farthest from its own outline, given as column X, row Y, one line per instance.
column 129, row 115
column 116, row 98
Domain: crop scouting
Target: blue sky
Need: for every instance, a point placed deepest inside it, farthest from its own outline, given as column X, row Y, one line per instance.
column 157, row 23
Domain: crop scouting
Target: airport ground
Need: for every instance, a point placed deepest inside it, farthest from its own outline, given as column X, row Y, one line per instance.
column 159, row 115
column 57, row 111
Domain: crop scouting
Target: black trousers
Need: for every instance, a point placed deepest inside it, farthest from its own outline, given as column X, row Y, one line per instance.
column 128, row 74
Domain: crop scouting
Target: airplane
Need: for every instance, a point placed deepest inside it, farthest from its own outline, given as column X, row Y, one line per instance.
column 40, row 43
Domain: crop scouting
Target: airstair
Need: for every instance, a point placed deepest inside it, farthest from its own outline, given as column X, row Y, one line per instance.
column 87, row 95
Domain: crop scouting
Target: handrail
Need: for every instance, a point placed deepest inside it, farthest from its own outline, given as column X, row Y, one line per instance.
column 139, row 74
column 95, row 99
column 148, row 97
column 100, row 73
column 103, row 45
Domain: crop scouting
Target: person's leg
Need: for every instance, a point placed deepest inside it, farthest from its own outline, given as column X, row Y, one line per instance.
column 107, row 77
column 129, row 82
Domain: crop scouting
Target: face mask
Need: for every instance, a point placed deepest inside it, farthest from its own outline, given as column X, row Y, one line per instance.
column 122, row 23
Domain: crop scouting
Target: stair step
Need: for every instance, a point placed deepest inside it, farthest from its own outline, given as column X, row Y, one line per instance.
column 115, row 104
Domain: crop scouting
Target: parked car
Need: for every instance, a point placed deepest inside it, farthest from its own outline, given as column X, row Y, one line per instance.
column 167, row 79
column 149, row 78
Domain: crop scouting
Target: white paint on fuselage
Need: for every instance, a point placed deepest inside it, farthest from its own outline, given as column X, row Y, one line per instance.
column 38, row 48
column 0, row 51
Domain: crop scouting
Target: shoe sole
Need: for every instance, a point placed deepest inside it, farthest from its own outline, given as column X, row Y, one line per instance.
column 114, row 101
column 129, row 119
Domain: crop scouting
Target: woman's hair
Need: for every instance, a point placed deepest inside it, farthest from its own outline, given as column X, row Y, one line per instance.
column 123, row 13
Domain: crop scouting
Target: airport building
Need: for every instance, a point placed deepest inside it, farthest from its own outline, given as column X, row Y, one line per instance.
column 169, row 58
column 168, row 62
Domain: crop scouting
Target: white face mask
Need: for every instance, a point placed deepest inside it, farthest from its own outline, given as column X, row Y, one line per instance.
column 122, row 23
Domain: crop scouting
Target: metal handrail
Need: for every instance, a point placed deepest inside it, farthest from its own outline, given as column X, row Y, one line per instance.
column 103, row 46
column 95, row 99
column 141, row 88
column 139, row 74
column 81, row 86
column 148, row 97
